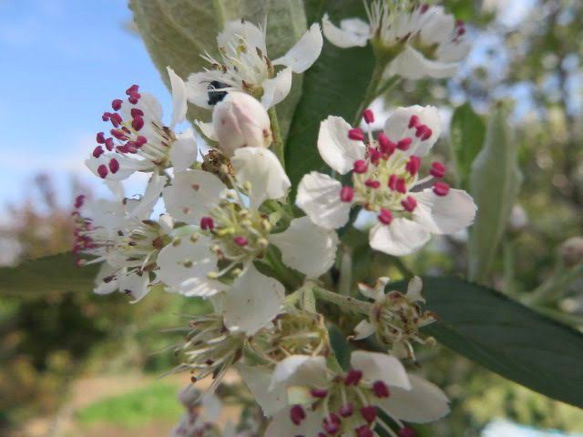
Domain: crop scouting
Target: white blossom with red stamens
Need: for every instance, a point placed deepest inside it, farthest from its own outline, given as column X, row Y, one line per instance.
column 244, row 65
column 326, row 402
column 422, row 40
column 385, row 179
column 139, row 140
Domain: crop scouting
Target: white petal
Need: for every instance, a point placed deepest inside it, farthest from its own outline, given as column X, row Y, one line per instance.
column 282, row 426
column 307, row 247
column 184, row 150
column 319, row 197
column 412, row 65
column 207, row 129
column 424, row 403
column 414, row 289
column 253, row 302
column 277, row 88
column 149, row 105
column 143, row 207
column 258, row 381
column 305, row 52
column 94, row 163
column 401, row 237
column 135, row 285
column 197, row 89
column 300, row 370
column 103, row 287
column 230, row 37
column 179, row 103
column 192, row 195
column 336, row 149
column 352, row 32
column 380, row 367
column 444, row 214
column 377, row 291
column 363, row 330
column 439, row 26
column 263, row 170
column 185, row 264
column 397, row 127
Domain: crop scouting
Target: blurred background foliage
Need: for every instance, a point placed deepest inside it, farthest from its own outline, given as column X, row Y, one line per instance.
column 533, row 65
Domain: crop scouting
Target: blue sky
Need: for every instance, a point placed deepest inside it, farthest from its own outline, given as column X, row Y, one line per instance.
column 62, row 61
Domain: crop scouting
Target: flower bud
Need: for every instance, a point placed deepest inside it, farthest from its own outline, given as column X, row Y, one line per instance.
column 239, row 120
column 572, row 251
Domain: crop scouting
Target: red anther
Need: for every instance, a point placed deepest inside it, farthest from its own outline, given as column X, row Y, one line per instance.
column 297, row 414
column 123, row 149
column 353, row 377
column 414, row 121
column 102, row 171
column 380, row 389
column 437, row 170
column 364, row 431
column 404, row 144
column 441, row 188
column 374, row 156
column 134, row 98
column 385, row 216
column 100, row 138
column 240, row 241
column 371, row 183
column 116, row 104
column 207, row 224
column 409, row 203
column 106, row 116
column 136, row 112
column 461, row 31
column 356, row 134
column 401, row 186
column 386, row 145
column 346, row 194
column 98, row 151
column 79, row 201
column 423, row 132
column 119, row 134
column 133, row 89
column 424, row 8
column 115, row 119
column 109, row 144
column 413, row 165
column 406, row 432
column 346, row 410
column 331, row 424
column 140, row 141
column 368, row 116
column 114, row 165
column 360, row 166
column 393, row 182
column 319, row 393
column 138, row 123
column 369, row 413
column 459, row 23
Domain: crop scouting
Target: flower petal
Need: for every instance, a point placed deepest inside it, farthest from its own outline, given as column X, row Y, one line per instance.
column 300, row 370
column 197, row 89
column 305, row 52
column 353, row 32
column 258, row 380
column 192, row 195
column 444, row 214
column 319, row 197
column 134, row 284
column 253, row 302
column 179, row 103
column 380, row 367
column 207, row 129
column 414, row 289
column 262, row 169
column 184, row 150
column 336, row 149
column 106, row 279
column 307, row 247
column 401, row 237
column 424, row 403
column 363, row 330
column 397, row 127
column 229, row 38
column 282, row 426
column 411, row 64
column 143, row 208
column 277, row 88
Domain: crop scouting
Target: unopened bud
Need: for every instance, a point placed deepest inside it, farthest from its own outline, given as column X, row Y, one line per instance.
column 572, row 251
column 241, row 121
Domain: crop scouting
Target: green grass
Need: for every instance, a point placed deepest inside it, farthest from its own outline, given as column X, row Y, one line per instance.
column 155, row 402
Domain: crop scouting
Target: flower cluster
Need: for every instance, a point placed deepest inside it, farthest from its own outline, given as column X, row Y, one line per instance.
column 217, row 222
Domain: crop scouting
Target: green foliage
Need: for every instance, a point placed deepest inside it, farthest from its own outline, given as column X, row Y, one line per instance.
column 467, row 138
column 494, row 184
column 330, row 88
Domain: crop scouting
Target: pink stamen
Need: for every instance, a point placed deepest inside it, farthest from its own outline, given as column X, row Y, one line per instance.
column 140, row 141
column 102, row 171
column 385, row 217
column 437, row 170
column 441, row 188
column 393, row 182
column 134, row 98
column 114, row 165
column 241, row 241
column 424, row 8
column 368, row 116
column 319, row 393
column 423, row 132
column 386, row 145
column 380, row 389
column 100, row 138
column 371, row 183
column 406, row 432
column 404, row 144
column 410, row 203
column 353, row 377
column 346, row 410
column 356, row 134
column 109, row 144
column 106, row 116
column 331, row 424
column 79, row 201
column 374, row 156
column 136, row 112
column 133, row 89
column 119, row 134
column 413, row 165
column 360, row 166
column 207, row 224
column 138, row 123
column 369, row 413
column 414, row 121
column 297, row 414
column 98, row 151
column 346, row 194
column 116, row 104
column 364, row 431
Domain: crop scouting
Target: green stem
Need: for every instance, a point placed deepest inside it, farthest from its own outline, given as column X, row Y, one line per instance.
column 345, row 280
column 277, row 145
column 283, row 274
column 346, row 303
column 372, row 89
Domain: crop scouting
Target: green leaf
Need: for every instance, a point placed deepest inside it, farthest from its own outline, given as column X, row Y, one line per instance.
column 177, row 32
column 468, row 131
column 494, row 183
column 335, row 85
column 507, row 338
column 57, row 273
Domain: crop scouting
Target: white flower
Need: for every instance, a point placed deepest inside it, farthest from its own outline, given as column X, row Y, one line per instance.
column 201, row 417
column 385, row 180
column 421, row 40
column 395, row 318
column 139, row 139
column 325, row 402
column 245, row 66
